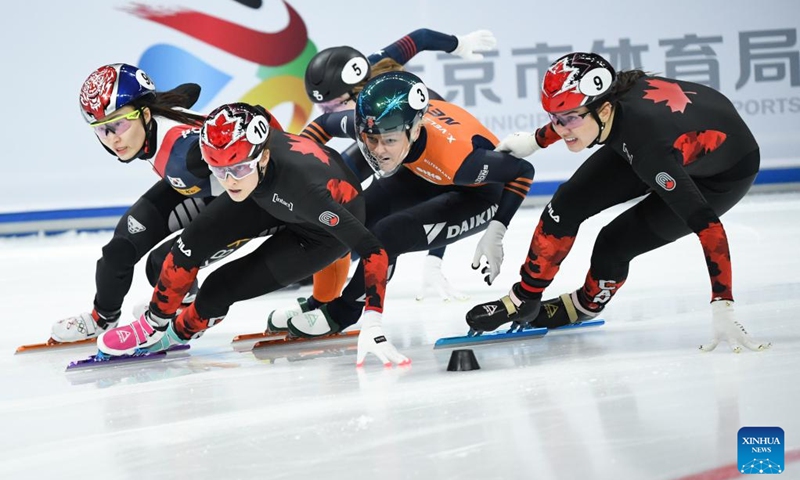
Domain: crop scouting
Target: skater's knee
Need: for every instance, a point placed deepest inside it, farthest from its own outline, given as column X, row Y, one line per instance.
column 155, row 261
column 620, row 244
column 214, row 299
column 608, row 249
column 153, row 269
column 121, row 251
column 560, row 219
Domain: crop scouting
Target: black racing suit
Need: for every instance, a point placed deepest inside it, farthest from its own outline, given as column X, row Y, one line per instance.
column 310, row 203
column 451, row 186
column 168, row 206
column 686, row 148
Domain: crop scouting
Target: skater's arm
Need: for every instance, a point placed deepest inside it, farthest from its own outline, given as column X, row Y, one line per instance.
column 670, row 181
column 322, row 209
column 486, row 166
column 330, row 125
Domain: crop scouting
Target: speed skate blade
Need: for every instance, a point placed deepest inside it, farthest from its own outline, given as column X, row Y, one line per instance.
column 486, row 338
column 95, row 361
column 595, row 322
column 508, row 336
column 284, row 340
column 259, row 337
column 51, row 344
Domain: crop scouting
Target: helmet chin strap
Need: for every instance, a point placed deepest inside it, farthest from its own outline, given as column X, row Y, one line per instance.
column 148, row 147
column 600, row 123
column 262, row 171
column 408, row 136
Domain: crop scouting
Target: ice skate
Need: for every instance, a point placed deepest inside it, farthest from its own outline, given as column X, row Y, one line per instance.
column 144, row 332
column 563, row 310
column 315, row 323
column 489, row 316
column 80, row 328
column 278, row 320
column 166, row 341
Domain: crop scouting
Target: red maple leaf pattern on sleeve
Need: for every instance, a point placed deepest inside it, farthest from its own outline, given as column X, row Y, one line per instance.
column 669, row 92
column 546, row 136
column 376, row 268
column 172, row 285
column 545, row 255
column 341, row 191
column 694, row 145
column 718, row 260
column 308, row 147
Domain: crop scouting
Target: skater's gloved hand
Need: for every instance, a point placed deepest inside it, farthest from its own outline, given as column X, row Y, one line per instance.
column 727, row 328
column 520, row 144
column 473, row 42
column 432, row 277
column 491, row 247
column 372, row 340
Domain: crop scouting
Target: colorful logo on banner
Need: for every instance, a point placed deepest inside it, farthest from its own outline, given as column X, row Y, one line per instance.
column 761, row 450
column 279, row 58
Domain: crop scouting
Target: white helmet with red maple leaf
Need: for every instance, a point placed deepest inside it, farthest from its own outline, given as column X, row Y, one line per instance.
column 235, row 133
column 576, row 80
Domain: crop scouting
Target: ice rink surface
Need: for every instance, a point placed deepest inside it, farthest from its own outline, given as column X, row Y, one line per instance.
column 633, row 399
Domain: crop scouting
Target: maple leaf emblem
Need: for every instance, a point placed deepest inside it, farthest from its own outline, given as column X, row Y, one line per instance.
column 668, row 92
column 561, row 78
column 308, row 147
column 341, row 191
column 223, row 130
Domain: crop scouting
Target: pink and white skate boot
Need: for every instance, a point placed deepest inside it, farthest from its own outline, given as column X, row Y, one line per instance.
column 132, row 339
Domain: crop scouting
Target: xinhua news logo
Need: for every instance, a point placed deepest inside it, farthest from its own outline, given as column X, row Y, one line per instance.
column 761, row 450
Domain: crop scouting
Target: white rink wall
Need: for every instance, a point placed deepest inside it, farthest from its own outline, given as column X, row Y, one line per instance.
column 749, row 52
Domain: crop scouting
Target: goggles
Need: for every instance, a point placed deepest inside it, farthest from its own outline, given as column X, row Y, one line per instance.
column 238, row 171
column 572, row 120
column 116, row 125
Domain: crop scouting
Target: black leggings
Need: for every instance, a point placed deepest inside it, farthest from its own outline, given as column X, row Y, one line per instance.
column 409, row 214
column 604, row 180
column 290, row 254
column 158, row 213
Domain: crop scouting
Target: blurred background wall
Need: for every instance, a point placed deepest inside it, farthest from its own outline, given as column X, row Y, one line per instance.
column 59, row 177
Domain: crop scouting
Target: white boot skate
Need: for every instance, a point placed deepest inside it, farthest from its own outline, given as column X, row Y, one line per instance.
column 77, row 328
column 278, row 320
column 316, row 323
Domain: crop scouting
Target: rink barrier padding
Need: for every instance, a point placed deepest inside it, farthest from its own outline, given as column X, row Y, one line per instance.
column 52, row 222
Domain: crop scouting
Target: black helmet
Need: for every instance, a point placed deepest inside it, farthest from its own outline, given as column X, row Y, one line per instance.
column 391, row 102
column 333, row 72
